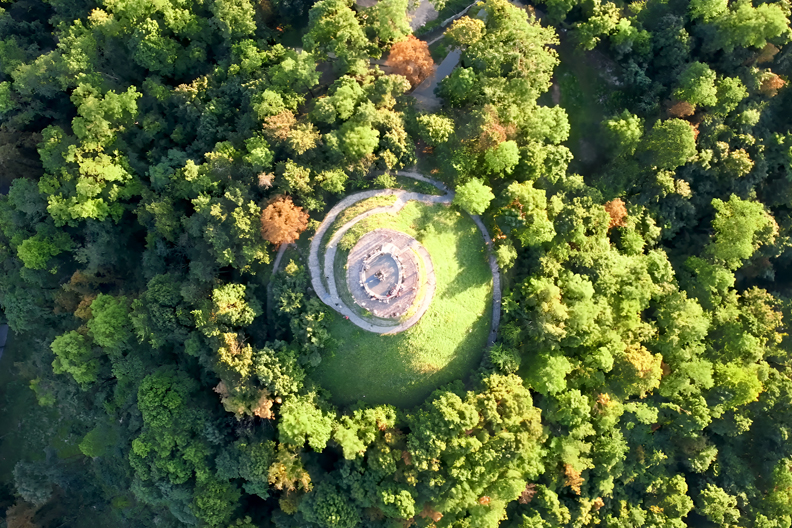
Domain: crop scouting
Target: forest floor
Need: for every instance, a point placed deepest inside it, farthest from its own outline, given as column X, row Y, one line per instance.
column 19, row 438
column 444, row 345
column 584, row 83
column 26, row 428
column 32, row 433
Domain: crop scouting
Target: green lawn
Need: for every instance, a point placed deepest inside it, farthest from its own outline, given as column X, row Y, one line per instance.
column 445, row 344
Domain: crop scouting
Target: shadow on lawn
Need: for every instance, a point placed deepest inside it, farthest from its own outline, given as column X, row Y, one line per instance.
column 433, row 220
column 466, row 278
column 460, row 367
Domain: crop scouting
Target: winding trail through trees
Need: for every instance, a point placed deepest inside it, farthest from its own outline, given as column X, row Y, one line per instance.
column 329, row 295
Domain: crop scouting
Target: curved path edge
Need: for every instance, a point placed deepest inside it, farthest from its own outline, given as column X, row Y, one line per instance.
column 331, row 298
column 496, row 283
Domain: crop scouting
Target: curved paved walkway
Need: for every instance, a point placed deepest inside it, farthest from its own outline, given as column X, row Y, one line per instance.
column 496, row 286
column 331, row 297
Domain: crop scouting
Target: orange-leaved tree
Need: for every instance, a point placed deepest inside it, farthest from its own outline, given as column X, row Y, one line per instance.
column 411, row 58
column 618, row 212
column 282, row 221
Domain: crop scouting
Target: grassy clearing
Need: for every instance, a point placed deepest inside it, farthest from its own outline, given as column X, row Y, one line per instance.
column 450, row 338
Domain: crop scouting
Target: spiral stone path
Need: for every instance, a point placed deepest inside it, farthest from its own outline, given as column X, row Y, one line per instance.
column 329, row 295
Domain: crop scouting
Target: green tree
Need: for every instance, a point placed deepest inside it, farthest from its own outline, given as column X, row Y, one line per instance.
column 474, row 197
column 328, row 508
column 154, row 51
column 228, row 228
column 33, row 482
column 88, row 181
column 388, row 21
column 459, row 87
column 707, row 9
column 503, row 158
column 75, row 356
column 697, row 85
column 295, row 72
column 6, row 100
column 450, row 440
column 302, row 420
column 558, row 9
column 624, row 132
column 603, row 18
column 230, row 308
column 741, row 227
column 777, row 502
column 486, row 59
column 671, row 143
column 234, row 18
column 98, row 441
column 37, row 251
column 730, row 92
column 718, row 506
column 506, row 255
column 358, row 141
column 109, row 325
column 525, row 214
column 215, row 502
column 435, row 129
column 356, row 432
column 465, row 31
column 737, row 385
column 159, row 315
column 746, row 26
column 333, row 181
column 333, row 28
column 171, row 448
column 548, row 373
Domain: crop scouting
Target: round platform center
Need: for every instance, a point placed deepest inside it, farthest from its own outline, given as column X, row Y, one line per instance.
column 381, row 275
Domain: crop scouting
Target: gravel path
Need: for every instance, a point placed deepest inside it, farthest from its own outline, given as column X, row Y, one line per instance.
column 496, row 286
column 330, row 295
column 425, row 12
column 424, row 93
column 278, row 258
column 275, row 266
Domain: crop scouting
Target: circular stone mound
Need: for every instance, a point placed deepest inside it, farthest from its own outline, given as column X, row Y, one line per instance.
column 383, row 273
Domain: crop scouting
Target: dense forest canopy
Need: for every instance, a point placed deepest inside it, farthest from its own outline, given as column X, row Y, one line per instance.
column 632, row 161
